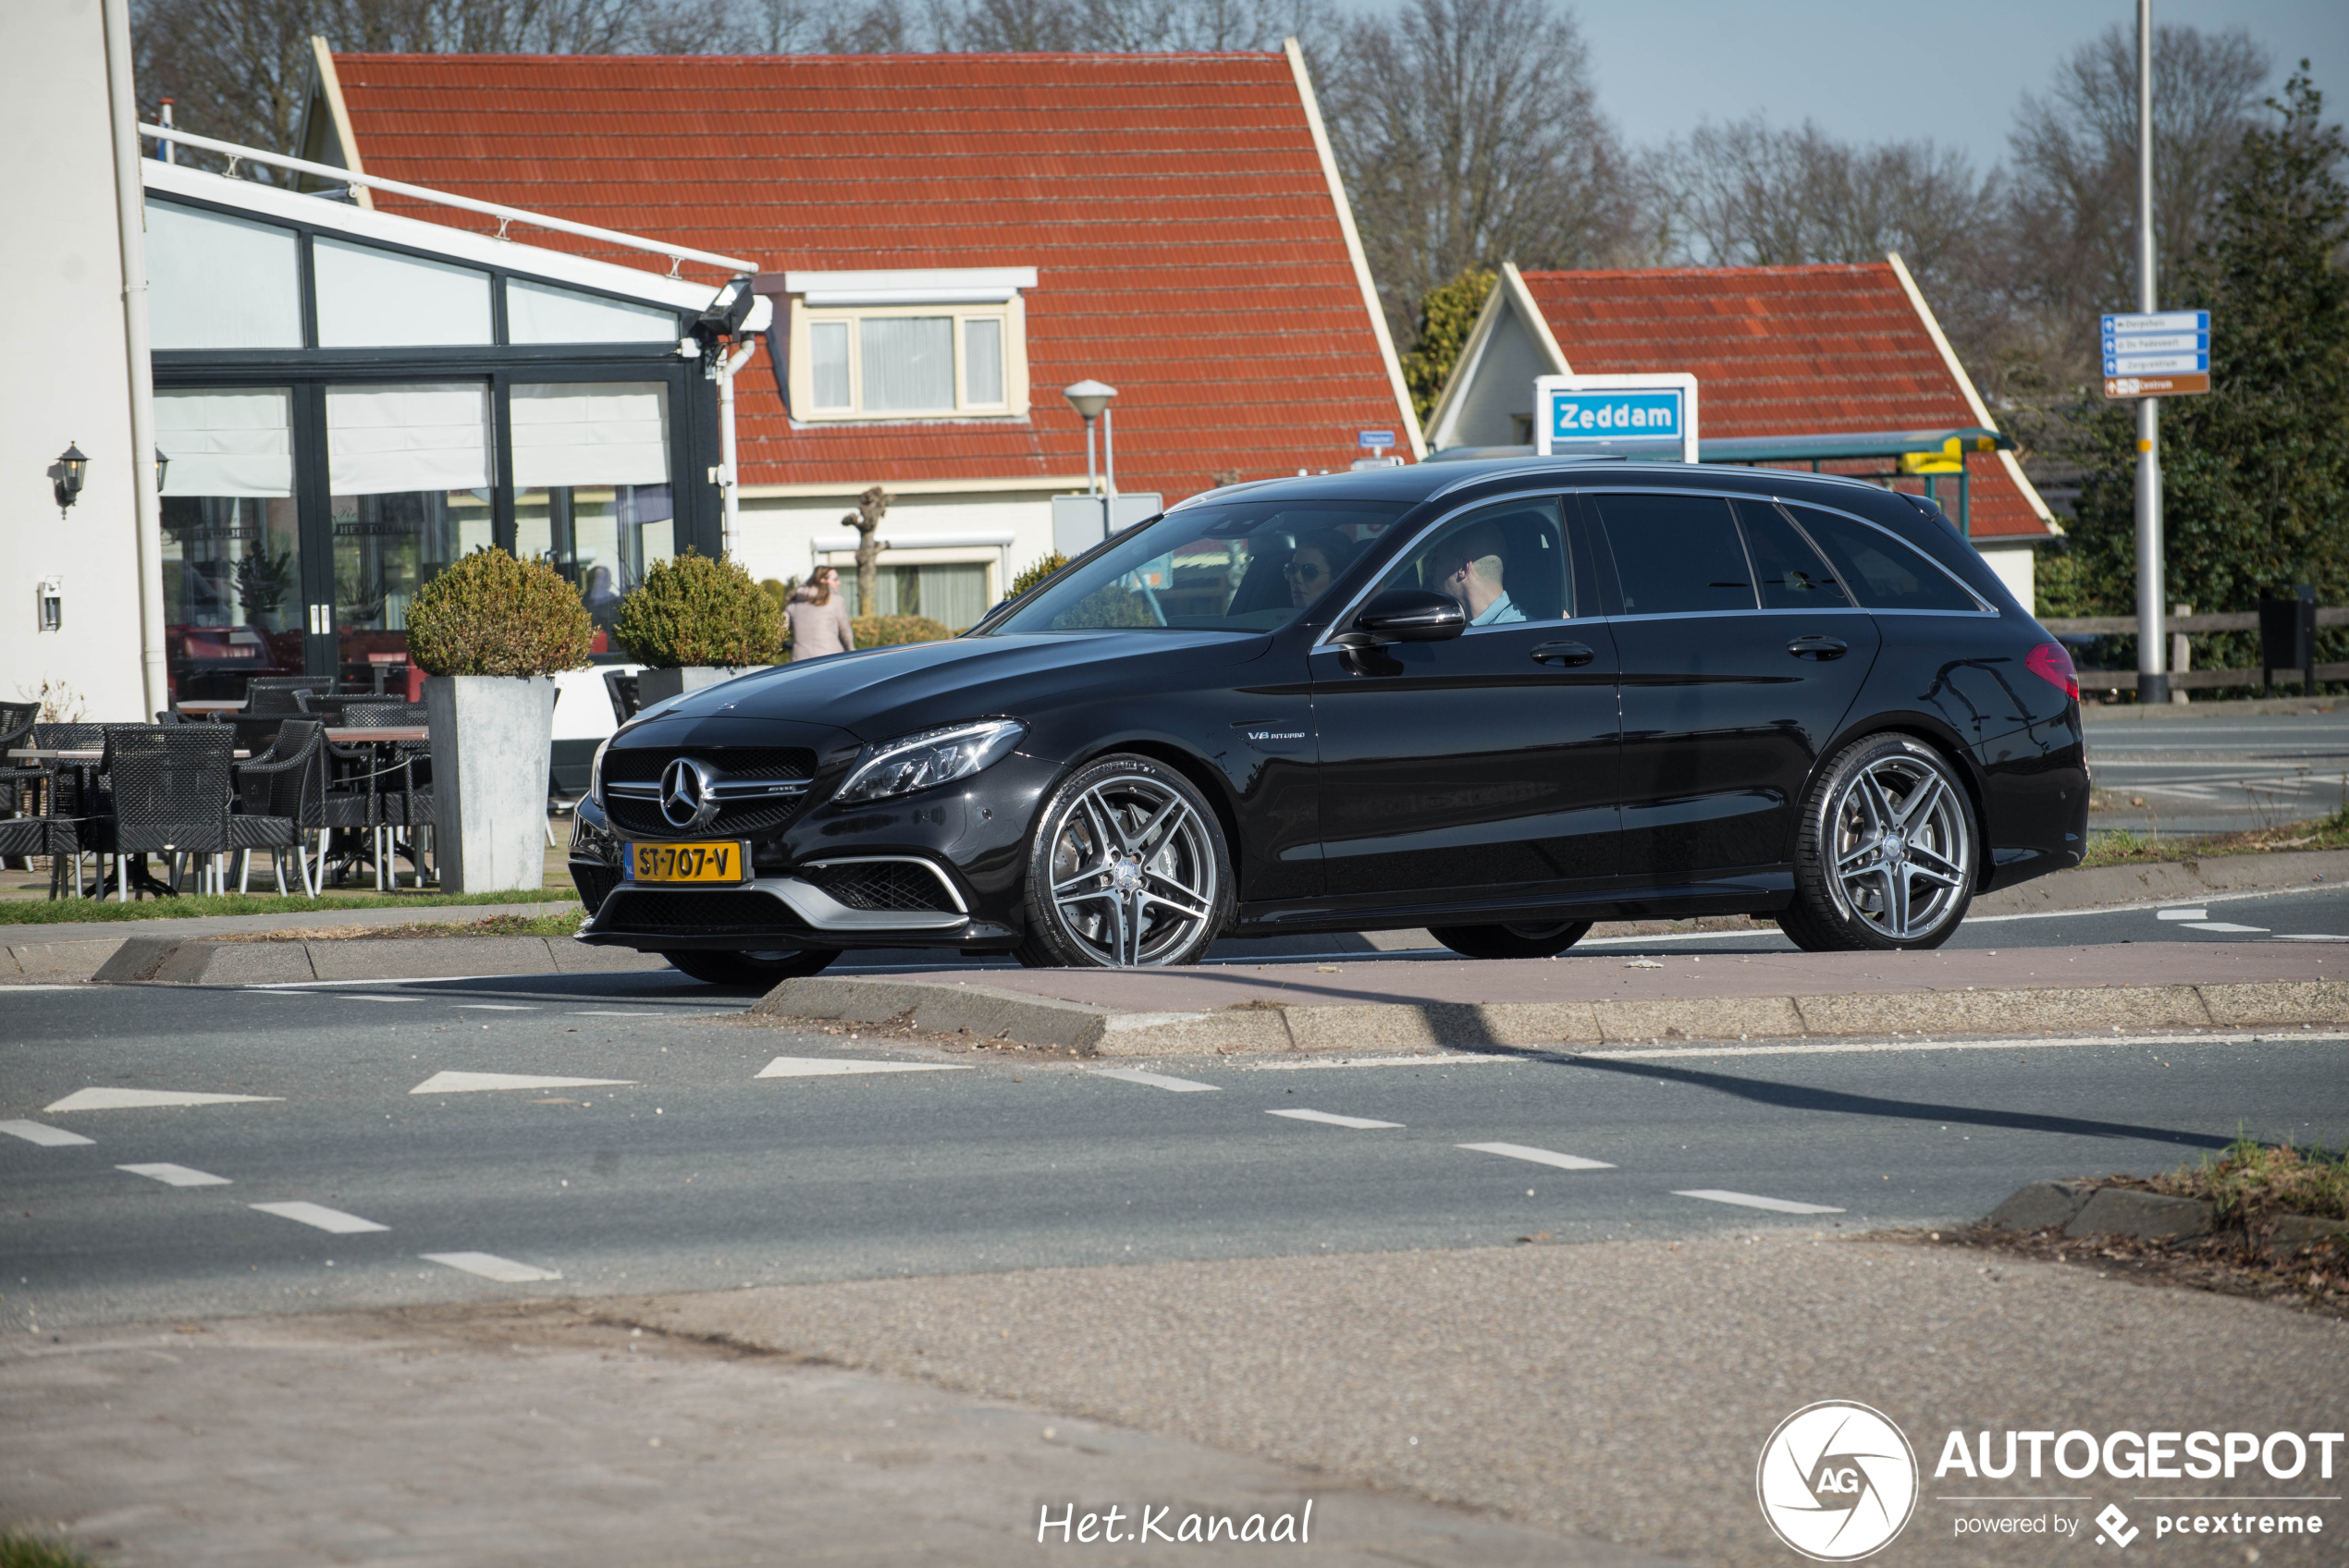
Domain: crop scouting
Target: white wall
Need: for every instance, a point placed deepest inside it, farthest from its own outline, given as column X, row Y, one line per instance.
column 65, row 379
column 780, row 534
column 2017, row 567
column 1500, row 386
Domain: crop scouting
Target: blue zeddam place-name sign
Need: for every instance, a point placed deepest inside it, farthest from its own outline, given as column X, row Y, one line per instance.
column 1643, row 415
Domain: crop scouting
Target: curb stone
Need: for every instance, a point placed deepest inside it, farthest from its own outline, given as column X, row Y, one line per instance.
column 2042, row 1205
column 197, row 960
column 2083, row 1209
column 2141, row 1216
column 2295, row 1233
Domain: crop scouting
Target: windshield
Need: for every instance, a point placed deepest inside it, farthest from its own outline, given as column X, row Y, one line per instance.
column 1235, row 567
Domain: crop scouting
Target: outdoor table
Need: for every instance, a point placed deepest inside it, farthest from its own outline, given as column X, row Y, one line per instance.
column 348, row 735
column 213, row 705
column 84, row 761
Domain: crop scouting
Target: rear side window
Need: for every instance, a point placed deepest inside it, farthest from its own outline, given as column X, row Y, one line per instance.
column 1677, row 555
column 1789, row 571
column 1882, row 572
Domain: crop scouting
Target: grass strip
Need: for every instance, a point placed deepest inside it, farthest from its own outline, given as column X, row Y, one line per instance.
column 496, row 926
column 18, row 1550
column 2123, row 846
column 74, row 911
column 2251, row 1180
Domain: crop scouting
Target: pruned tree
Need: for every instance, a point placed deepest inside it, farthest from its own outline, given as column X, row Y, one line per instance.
column 871, row 507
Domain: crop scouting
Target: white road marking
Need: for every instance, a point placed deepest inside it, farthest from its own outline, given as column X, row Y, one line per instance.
column 647, row 1016
column 838, row 1066
column 1158, row 1080
column 176, row 1175
column 489, row 1007
column 475, row 1082
column 6, row 987
column 2050, row 1042
column 133, row 1099
column 2310, row 937
column 1323, row 1115
column 318, row 1214
column 1540, row 1157
column 1319, row 1064
column 1747, row 1200
column 489, row 1265
column 2220, row 926
column 40, row 1133
column 2181, row 914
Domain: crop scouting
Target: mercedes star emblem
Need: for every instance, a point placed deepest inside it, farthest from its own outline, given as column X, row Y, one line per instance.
column 685, row 800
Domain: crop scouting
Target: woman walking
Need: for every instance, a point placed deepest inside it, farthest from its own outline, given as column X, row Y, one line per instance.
column 819, row 623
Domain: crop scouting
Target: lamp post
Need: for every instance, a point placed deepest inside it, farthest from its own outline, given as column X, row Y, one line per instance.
column 1091, row 399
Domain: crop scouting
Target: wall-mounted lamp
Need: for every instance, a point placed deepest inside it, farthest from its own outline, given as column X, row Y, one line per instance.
column 162, row 464
column 73, row 464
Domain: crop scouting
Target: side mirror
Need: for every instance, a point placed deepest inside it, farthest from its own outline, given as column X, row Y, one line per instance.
column 1411, row 615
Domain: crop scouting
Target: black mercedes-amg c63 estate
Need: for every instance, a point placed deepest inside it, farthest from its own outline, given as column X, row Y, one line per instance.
column 1499, row 700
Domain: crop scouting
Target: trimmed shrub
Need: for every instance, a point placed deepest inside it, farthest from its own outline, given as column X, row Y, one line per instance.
column 887, row 631
column 1037, row 573
column 695, row 610
column 489, row 614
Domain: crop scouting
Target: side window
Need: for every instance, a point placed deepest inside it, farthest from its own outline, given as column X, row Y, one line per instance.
column 1677, row 555
column 1790, row 572
column 1881, row 573
column 1504, row 564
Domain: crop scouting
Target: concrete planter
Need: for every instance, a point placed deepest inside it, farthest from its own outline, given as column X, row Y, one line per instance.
column 492, row 736
column 657, row 685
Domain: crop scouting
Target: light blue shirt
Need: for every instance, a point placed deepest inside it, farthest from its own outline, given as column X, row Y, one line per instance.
column 1499, row 610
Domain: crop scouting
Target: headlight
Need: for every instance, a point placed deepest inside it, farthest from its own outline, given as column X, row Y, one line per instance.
column 933, row 756
column 596, row 773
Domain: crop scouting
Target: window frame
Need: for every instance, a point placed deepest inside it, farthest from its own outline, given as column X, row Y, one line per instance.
column 1011, row 317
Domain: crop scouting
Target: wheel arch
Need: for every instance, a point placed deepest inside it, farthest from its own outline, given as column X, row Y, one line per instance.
column 1945, row 743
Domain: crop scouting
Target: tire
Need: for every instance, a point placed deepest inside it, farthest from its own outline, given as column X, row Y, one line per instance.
column 715, row 967
column 1511, row 941
column 1126, row 868
column 1884, row 859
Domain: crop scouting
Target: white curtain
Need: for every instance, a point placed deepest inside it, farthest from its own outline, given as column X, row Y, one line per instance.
column 226, row 443
column 388, row 440
column 540, row 313
column 218, row 282
column 590, row 432
column 908, row 363
column 379, row 298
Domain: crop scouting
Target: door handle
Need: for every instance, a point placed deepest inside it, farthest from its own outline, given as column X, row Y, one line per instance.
column 1571, row 655
column 1819, row 648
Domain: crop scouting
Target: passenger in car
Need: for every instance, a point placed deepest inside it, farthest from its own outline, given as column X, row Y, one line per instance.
column 1318, row 557
column 1469, row 565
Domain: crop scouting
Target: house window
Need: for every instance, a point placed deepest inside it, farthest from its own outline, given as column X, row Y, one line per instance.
column 900, row 345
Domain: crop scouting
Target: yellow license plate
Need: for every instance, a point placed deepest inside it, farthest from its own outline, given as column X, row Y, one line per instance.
column 726, row 861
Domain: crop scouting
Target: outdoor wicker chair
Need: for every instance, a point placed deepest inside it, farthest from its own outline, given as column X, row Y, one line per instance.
column 280, row 799
column 168, row 791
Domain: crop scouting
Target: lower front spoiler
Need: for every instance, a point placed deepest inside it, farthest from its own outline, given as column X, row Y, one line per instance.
column 773, row 911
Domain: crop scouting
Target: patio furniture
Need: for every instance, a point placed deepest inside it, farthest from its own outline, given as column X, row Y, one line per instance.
column 167, row 788
column 68, row 789
column 626, row 694
column 392, row 777
column 280, row 799
column 16, row 727
column 24, row 836
column 282, row 694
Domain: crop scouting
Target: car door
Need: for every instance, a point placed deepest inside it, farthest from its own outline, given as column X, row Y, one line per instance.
column 1740, row 655
column 1483, row 764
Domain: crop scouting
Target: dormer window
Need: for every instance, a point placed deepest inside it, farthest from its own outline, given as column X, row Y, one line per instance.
column 947, row 344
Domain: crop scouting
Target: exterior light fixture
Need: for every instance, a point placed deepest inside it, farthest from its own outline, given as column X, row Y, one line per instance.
column 1091, row 399
column 73, row 466
column 162, row 464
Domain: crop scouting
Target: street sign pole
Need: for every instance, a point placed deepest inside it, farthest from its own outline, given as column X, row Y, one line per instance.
column 2153, row 681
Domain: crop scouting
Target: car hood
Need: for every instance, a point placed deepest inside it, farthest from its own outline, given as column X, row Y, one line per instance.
column 880, row 692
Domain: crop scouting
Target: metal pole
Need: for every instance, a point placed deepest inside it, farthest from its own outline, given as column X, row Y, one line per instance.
column 1109, row 465
column 730, row 519
column 2153, row 684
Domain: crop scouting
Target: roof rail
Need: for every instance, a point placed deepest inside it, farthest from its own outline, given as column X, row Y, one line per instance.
column 677, row 254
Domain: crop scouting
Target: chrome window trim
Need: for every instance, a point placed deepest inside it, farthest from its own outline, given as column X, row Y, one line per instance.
column 1715, row 615
column 1983, row 605
column 943, row 880
column 1427, row 529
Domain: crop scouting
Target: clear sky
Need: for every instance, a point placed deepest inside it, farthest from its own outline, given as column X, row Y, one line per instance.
column 1894, row 70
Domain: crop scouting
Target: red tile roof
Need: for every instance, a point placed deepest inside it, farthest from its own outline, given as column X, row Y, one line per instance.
column 1188, row 249
column 1783, row 351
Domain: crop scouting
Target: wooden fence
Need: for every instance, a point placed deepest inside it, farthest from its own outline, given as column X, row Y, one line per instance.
column 2182, row 624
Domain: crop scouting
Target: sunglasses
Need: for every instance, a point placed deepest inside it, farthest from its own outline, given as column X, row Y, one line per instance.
column 1306, row 573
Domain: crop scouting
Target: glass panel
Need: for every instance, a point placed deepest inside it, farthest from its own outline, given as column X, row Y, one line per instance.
column 982, row 362
column 1883, row 574
column 909, row 363
column 1677, row 555
column 410, row 470
column 953, row 594
column 540, row 313
column 215, row 282
column 231, row 552
column 1505, row 565
column 371, row 299
column 1792, row 575
column 828, row 362
column 591, row 470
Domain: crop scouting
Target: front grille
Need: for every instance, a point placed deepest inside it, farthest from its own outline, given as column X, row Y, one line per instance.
column 642, row 765
column 696, row 914
column 884, row 884
column 644, row 818
column 594, row 883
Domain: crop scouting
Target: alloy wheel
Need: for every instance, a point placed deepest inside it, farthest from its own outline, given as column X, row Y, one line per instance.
column 1134, row 877
column 1901, row 848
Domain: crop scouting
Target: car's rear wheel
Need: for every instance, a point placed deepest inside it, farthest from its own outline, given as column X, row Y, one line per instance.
column 1128, row 869
column 758, row 967
column 1886, row 855
column 1540, row 941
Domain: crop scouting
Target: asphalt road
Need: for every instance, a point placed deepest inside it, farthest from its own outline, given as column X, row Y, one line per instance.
column 2223, row 774
column 695, row 1172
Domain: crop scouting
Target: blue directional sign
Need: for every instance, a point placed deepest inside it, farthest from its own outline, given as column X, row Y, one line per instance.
column 2159, row 354
column 1377, row 440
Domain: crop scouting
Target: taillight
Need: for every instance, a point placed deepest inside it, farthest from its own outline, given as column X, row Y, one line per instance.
column 2051, row 662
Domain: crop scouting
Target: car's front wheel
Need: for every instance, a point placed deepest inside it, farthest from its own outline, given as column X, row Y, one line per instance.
column 1128, row 869
column 716, row 967
column 1886, row 855
column 1511, row 941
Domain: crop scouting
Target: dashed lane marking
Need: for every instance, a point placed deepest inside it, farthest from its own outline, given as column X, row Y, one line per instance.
column 475, row 1083
column 490, row 1007
column 2311, row 937
column 1158, row 1080
column 40, row 1133
column 176, row 1175
column 1540, row 1157
column 318, row 1214
column 1331, row 1119
column 489, row 1265
column 2181, row 914
column 1749, row 1200
column 2221, row 926
column 370, row 997
column 135, row 1100
column 647, row 1015
column 835, row 1067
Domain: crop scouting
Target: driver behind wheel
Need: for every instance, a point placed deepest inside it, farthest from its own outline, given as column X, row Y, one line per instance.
column 1469, row 565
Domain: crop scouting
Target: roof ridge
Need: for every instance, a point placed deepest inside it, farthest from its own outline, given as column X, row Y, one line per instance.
column 1788, row 269
column 1263, row 56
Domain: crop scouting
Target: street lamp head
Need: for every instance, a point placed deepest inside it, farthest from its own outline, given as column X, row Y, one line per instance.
column 1088, row 399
